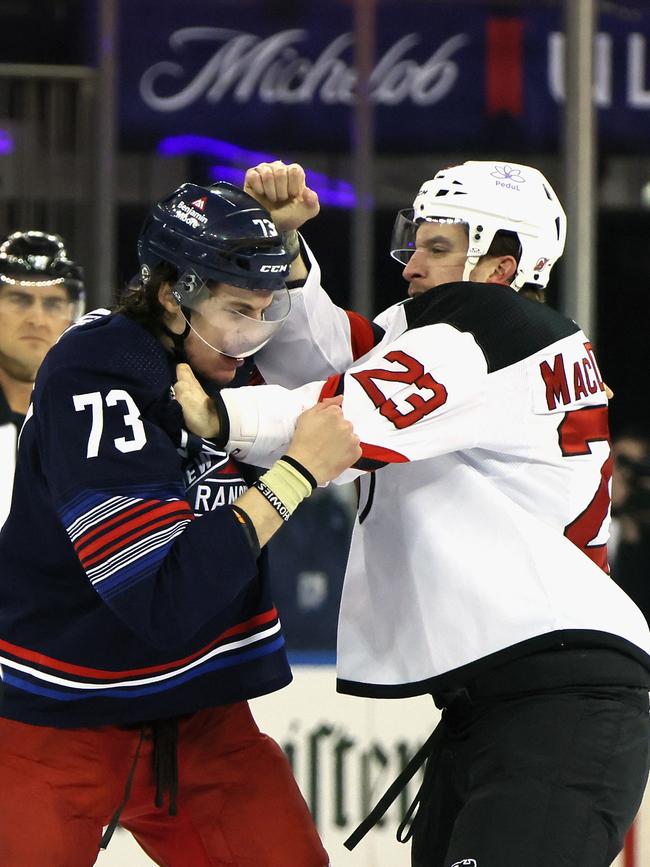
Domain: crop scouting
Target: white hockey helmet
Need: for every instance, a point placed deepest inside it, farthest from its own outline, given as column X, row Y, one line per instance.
column 488, row 197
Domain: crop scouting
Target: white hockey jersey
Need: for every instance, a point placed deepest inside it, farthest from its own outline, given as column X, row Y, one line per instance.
column 10, row 423
column 484, row 508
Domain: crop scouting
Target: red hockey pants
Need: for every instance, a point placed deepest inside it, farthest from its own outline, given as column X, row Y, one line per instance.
column 238, row 804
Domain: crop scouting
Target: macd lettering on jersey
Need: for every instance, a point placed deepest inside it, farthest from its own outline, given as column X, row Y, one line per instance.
column 568, row 381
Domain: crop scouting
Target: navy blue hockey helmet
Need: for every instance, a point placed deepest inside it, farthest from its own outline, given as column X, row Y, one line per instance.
column 213, row 236
column 218, row 233
column 31, row 257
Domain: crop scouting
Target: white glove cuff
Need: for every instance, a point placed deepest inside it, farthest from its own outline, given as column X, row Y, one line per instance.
column 262, row 421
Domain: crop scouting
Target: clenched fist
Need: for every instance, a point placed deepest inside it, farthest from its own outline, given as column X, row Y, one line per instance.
column 283, row 191
column 324, row 441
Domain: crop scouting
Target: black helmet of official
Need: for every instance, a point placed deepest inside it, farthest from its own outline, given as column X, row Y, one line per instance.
column 216, row 233
column 37, row 257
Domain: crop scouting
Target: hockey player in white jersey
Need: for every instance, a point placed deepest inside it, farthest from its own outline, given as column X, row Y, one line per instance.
column 478, row 565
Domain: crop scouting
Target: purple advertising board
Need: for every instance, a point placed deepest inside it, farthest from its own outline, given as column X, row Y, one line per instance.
column 280, row 76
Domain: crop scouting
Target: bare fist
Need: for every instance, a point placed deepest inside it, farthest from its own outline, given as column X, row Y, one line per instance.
column 283, row 191
column 324, row 441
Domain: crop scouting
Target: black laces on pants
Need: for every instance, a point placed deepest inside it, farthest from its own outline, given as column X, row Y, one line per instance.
column 165, row 769
column 429, row 750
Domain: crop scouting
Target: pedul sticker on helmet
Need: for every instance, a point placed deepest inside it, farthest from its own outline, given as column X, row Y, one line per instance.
column 490, row 197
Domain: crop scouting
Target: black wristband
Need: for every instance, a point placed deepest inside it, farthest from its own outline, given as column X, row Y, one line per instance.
column 249, row 530
column 224, row 422
column 302, row 470
column 273, row 499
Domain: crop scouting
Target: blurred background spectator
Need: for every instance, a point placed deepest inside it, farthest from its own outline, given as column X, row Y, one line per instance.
column 629, row 547
column 308, row 561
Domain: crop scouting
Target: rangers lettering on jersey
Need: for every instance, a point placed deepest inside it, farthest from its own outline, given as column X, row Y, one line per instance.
column 212, row 480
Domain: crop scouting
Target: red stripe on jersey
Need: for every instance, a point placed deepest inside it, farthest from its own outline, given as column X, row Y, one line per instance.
column 382, row 454
column 362, row 336
column 100, row 674
column 332, row 387
column 504, row 66
column 84, row 546
column 127, row 541
column 118, row 519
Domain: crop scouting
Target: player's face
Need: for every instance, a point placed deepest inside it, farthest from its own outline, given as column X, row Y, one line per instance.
column 32, row 318
column 439, row 256
column 228, row 311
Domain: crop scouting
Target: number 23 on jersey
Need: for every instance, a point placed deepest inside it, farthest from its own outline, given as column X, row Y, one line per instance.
column 412, row 373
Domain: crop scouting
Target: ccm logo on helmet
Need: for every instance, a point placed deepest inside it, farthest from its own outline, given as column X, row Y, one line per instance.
column 273, row 269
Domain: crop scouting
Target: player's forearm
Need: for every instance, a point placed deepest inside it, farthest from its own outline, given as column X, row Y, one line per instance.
column 299, row 269
column 264, row 518
column 262, row 419
column 315, row 341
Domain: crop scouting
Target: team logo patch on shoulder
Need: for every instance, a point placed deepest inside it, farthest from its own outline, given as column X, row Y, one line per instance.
column 466, row 862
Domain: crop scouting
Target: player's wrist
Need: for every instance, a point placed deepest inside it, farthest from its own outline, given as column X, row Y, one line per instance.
column 285, row 485
column 291, row 242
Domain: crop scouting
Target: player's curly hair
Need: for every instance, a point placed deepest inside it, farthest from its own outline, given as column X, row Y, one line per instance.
column 140, row 298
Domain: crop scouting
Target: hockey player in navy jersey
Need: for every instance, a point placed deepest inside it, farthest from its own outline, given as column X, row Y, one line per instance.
column 136, row 615
column 478, row 565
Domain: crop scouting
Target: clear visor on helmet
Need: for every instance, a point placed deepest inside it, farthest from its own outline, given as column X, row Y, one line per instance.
column 405, row 234
column 234, row 321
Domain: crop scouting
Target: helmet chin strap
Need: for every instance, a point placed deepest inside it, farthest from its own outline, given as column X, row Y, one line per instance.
column 179, row 339
column 470, row 263
column 517, row 281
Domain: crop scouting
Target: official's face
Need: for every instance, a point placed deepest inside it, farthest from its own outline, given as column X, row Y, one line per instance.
column 32, row 318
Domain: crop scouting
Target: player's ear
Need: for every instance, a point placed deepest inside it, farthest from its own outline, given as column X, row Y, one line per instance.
column 166, row 299
column 505, row 268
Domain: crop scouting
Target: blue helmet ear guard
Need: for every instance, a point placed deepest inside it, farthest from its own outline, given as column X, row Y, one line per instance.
column 217, row 233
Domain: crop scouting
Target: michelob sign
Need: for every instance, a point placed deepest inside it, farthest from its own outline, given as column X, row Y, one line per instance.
column 281, row 76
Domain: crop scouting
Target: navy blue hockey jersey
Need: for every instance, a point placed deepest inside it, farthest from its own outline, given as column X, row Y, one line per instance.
column 116, row 605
